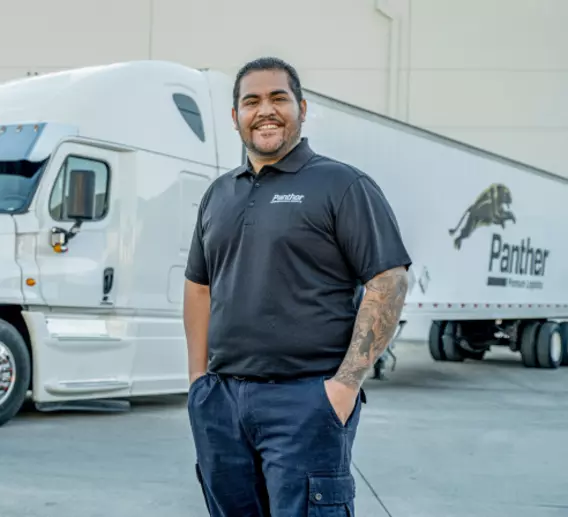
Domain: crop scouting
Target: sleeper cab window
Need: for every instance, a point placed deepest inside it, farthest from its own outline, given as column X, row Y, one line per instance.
column 60, row 195
column 190, row 112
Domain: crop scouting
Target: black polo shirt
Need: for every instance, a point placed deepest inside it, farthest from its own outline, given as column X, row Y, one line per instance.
column 283, row 252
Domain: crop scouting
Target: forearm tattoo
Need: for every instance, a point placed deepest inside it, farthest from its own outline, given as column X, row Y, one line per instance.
column 375, row 326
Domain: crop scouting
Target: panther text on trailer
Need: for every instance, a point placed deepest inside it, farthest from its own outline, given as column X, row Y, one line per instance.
column 518, row 259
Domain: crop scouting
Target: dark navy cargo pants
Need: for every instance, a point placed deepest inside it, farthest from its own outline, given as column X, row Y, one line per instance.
column 272, row 449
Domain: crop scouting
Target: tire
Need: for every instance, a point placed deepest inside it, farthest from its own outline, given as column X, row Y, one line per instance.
column 14, row 358
column 450, row 342
column 528, row 344
column 549, row 345
column 435, row 340
column 563, row 328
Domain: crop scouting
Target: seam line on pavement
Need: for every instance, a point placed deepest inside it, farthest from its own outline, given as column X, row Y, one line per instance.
column 372, row 490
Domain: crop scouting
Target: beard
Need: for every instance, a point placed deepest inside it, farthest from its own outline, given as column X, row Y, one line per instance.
column 287, row 141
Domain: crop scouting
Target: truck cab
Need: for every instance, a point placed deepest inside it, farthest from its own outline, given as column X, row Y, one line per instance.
column 51, row 188
column 101, row 173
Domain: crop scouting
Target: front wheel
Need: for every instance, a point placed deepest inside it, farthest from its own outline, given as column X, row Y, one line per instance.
column 15, row 371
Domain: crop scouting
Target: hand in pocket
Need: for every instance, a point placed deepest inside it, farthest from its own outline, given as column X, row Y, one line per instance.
column 342, row 398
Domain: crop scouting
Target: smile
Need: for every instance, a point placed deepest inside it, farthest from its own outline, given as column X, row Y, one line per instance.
column 267, row 126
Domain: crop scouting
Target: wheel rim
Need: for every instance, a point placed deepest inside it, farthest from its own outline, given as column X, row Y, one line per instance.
column 556, row 347
column 7, row 373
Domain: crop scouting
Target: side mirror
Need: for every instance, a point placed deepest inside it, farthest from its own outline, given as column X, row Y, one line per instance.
column 80, row 207
column 81, row 200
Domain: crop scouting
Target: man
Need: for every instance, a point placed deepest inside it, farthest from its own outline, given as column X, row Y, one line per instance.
column 277, row 351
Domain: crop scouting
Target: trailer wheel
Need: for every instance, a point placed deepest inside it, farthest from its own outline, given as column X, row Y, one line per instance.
column 435, row 340
column 563, row 329
column 451, row 342
column 549, row 345
column 528, row 344
column 15, row 371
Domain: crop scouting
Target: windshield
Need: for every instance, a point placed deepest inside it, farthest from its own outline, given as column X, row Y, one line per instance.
column 18, row 180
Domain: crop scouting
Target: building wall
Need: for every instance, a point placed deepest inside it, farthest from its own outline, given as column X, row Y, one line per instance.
column 494, row 74
column 323, row 38
column 39, row 37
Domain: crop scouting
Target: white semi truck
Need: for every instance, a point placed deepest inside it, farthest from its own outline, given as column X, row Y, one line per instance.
column 101, row 173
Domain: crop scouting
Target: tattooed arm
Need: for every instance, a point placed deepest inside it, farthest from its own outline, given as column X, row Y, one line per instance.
column 375, row 326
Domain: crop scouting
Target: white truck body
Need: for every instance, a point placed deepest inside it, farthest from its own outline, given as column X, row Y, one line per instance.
column 482, row 230
column 103, row 319
column 499, row 271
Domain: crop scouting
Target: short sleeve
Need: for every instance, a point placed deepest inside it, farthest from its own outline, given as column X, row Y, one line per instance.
column 367, row 231
column 196, row 269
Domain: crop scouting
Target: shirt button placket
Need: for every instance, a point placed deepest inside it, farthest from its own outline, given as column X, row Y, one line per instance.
column 249, row 213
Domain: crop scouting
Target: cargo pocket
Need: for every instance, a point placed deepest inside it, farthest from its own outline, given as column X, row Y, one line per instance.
column 331, row 496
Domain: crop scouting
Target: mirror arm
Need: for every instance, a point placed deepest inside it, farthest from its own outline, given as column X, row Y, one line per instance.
column 61, row 246
column 74, row 230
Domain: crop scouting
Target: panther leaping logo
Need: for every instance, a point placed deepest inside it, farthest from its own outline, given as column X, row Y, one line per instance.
column 488, row 209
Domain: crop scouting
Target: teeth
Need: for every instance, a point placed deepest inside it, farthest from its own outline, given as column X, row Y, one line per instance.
column 269, row 126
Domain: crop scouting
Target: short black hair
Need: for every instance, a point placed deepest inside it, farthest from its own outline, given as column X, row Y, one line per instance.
column 268, row 63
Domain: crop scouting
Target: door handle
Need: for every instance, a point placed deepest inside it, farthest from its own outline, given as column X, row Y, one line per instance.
column 108, row 280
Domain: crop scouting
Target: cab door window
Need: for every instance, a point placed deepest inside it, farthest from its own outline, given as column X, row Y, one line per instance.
column 59, row 200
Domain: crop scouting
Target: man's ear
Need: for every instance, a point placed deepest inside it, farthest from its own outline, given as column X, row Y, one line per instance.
column 303, row 110
column 235, row 119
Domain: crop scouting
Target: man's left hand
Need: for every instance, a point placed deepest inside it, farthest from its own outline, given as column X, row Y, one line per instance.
column 342, row 398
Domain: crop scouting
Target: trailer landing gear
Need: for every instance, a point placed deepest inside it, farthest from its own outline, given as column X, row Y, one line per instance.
column 542, row 344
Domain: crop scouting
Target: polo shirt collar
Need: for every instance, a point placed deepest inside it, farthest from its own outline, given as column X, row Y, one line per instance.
column 291, row 163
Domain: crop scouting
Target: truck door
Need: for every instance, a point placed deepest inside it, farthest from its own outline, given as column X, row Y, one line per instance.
column 83, row 276
column 88, row 349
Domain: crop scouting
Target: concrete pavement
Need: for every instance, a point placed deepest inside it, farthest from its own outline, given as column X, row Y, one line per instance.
column 476, row 439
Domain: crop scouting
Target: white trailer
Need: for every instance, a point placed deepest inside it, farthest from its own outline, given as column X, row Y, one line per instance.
column 483, row 232
column 101, row 173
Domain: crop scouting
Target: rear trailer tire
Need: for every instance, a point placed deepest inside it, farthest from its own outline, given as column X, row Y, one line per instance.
column 451, row 342
column 549, row 345
column 15, row 371
column 435, row 340
column 529, row 338
column 563, row 328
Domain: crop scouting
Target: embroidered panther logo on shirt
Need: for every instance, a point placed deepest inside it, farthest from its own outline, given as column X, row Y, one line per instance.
column 287, row 198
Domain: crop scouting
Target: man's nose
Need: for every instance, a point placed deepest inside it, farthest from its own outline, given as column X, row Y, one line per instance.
column 266, row 108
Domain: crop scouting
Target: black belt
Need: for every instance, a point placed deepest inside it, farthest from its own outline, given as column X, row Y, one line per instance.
column 274, row 381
